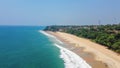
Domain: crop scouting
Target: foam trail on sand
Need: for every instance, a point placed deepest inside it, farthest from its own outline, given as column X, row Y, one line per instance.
column 71, row 60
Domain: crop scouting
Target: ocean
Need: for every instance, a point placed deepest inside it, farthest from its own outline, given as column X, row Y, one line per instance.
column 30, row 47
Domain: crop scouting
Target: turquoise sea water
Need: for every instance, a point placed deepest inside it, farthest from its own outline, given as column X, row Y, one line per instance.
column 26, row 47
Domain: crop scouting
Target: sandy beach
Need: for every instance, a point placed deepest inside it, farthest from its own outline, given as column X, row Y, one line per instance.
column 94, row 54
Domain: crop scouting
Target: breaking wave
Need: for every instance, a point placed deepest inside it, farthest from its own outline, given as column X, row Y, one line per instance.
column 71, row 60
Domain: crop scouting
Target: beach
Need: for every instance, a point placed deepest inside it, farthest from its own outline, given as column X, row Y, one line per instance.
column 94, row 54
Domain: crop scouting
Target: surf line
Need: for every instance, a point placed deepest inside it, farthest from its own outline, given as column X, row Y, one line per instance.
column 71, row 59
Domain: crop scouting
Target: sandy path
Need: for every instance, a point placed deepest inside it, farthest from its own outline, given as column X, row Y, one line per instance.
column 101, row 53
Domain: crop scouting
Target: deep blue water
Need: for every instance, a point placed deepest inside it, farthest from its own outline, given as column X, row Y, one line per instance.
column 26, row 47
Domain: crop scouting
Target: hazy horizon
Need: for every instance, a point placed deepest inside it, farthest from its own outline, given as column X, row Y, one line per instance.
column 62, row 12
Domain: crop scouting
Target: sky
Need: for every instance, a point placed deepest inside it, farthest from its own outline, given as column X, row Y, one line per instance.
column 59, row 12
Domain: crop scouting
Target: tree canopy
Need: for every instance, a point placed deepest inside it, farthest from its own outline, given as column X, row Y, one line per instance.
column 107, row 35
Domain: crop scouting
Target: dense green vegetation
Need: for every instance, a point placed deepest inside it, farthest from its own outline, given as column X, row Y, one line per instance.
column 107, row 35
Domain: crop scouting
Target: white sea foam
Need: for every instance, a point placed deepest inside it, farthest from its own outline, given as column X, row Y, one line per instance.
column 43, row 32
column 71, row 60
column 49, row 35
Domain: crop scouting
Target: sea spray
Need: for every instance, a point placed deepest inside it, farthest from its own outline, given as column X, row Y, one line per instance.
column 71, row 60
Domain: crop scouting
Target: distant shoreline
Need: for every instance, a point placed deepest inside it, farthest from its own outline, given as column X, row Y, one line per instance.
column 79, row 46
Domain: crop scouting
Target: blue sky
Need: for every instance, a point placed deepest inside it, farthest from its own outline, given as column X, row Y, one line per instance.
column 59, row 12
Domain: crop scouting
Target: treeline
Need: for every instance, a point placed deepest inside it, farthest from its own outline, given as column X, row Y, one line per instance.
column 107, row 35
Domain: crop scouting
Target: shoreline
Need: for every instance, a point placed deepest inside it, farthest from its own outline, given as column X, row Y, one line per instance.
column 78, row 46
column 70, row 58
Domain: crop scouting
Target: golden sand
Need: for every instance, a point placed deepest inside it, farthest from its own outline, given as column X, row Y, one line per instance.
column 95, row 54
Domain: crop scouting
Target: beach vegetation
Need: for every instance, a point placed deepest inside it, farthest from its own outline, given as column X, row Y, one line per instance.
column 106, row 35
